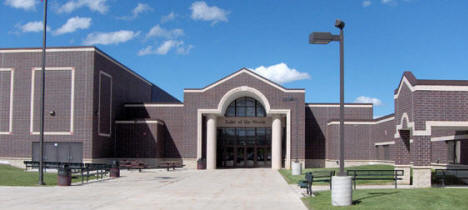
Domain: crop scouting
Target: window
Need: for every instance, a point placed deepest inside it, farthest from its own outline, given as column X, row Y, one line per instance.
column 245, row 136
column 245, row 107
column 453, row 152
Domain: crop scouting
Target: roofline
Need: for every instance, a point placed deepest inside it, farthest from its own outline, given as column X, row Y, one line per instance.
column 413, row 81
column 346, row 105
column 363, row 122
column 54, row 47
column 385, row 116
column 76, row 48
column 338, row 103
column 225, row 78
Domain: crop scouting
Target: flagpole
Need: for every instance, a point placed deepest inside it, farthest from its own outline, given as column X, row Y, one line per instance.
column 41, row 124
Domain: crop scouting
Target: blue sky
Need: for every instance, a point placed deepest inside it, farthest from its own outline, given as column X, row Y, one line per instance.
column 189, row 44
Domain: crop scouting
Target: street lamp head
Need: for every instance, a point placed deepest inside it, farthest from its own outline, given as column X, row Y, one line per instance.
column 339, row 24
column 320, row 38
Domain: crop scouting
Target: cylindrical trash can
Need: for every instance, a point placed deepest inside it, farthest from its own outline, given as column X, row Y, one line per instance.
column 64, row 176
column 296, row 168
column 115, row 170
column 201, row 164
column 342, row 192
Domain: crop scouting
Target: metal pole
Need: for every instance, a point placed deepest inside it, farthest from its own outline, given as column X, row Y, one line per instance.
column 342, row 173
column 41, row 123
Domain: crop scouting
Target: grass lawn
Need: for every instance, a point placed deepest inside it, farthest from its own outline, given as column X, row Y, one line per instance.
column 12, row 176
column 431, row 198
column 294, row 179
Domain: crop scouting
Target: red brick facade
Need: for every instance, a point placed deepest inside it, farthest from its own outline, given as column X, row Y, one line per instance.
column 112, row 112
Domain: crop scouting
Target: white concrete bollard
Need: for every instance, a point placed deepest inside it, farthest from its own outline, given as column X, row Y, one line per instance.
column 296, row 168
column 342, row 192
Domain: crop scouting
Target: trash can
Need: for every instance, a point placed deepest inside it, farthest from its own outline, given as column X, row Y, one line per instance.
column 64, row 176
column 201, row 164
column 115, row 170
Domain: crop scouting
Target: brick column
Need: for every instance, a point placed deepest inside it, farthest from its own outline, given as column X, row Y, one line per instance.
column 402, row 157
column 421, row 155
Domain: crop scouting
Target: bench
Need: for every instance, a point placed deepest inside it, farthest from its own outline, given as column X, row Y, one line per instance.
column 132, row 164
column 94, row 169
column 451, row 176
column 375, row 175
column 306, row 183
column 315, row 176
column 83, row 169
column 170, row 164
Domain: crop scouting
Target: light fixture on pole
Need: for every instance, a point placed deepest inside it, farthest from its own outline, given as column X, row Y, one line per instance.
column 341, row 184
column 41, row 122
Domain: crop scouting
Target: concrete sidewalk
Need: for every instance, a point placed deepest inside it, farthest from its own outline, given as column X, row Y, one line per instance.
column 159, row 189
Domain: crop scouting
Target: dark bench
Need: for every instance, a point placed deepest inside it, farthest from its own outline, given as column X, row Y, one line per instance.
column 375, row 175
column 170, row 164
column 315, row 176
column 82, row 169
column 451, row 176
column 132, row 164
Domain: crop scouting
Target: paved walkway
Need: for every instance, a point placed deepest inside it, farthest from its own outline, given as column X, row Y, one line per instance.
column 158, row 189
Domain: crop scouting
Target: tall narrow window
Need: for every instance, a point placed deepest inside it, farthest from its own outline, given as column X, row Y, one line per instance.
column 453, row 152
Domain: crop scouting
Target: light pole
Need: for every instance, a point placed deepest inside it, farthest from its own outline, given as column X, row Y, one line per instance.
column 41, row 122
column 341, row 185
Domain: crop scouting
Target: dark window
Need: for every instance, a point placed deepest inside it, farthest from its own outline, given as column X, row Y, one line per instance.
column 453, row 151
column 245, row 107
column 244, row 136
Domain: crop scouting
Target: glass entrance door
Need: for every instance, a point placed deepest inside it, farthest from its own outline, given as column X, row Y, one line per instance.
column 244, row 147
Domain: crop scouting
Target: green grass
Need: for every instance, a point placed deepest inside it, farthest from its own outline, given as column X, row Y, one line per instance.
column 431, row 198
column 294, row 179
column 12, row 176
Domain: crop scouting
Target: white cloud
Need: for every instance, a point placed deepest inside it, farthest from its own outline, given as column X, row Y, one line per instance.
column 184, row 50
column 281, row 73
column 22, row 4
column 365, row 99
column 73, row 24
column 366, row 3
column 169, row 17
column 157, row 31
column 146, row 51
column 110, row 37
column 33, row 26
column 166, row 47
column 139, row 9
column 94, row 5
column 201, row 11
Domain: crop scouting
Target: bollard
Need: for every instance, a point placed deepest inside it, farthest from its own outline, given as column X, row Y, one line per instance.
column 115, row 170
column 64, row 176
column 201, row 164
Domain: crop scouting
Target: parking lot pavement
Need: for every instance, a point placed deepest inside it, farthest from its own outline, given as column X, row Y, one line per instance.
column 159, row 189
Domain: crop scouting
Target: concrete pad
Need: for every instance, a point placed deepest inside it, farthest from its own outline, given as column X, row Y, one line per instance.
column 159, row 189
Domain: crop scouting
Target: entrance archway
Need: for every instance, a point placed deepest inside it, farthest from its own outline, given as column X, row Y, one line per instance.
column 277, row 118
column 244, row 135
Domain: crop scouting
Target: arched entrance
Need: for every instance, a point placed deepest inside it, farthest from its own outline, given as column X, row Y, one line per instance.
column 209, row 120
column 244, row 135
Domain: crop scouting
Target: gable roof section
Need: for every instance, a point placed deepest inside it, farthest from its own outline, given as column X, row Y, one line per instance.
column 251, row 73
column 424, row 84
